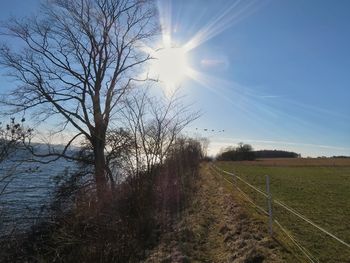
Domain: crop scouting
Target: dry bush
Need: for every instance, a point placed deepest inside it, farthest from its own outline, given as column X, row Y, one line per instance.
column 122, row 230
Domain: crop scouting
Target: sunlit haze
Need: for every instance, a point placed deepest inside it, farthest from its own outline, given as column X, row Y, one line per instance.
column 169, row 66
column 274, row 74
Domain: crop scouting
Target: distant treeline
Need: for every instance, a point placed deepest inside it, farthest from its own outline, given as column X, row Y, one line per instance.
column 275, row 154
column 245, row 152
column 239, row 153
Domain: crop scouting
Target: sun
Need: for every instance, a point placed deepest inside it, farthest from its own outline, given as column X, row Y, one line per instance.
column 170, row 66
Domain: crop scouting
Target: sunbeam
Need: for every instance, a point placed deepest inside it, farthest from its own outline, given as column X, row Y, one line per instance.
column 226, row 18
column 164, row 8
column 171, row 67
column 170, row 64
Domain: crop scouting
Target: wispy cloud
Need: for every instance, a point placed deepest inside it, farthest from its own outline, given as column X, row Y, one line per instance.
column 270, row 96
column 212, row 63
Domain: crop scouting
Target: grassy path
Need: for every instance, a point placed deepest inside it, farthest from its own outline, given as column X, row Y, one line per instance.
column 215, row 228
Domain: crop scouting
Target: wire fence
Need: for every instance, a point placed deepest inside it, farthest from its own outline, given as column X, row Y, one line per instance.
column 252, row 193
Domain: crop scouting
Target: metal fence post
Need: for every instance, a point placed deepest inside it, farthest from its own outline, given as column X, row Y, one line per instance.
column 269, row 204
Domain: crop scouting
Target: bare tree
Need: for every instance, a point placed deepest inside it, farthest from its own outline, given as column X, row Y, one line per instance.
column 204, row 142
column 12, row 137
column 153, row 125
column 79, row 59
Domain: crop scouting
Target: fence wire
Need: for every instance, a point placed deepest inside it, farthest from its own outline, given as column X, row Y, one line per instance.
column 296, row 243
column 284, row 206
column 245, row 195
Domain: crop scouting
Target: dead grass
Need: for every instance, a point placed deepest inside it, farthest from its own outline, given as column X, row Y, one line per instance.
column 215, row 228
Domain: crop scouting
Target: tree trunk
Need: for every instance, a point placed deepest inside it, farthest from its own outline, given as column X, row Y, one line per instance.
column 100, row 168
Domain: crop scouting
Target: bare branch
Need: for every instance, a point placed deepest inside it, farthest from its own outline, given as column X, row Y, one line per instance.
column 79, row 59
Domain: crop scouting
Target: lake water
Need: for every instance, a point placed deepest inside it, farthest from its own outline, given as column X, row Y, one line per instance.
column 28, row 192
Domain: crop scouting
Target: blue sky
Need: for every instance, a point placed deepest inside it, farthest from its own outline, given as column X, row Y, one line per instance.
column 275, row 74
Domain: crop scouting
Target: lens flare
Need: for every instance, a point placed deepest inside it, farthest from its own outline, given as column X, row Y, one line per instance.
column 170, row 65
column 170, row 61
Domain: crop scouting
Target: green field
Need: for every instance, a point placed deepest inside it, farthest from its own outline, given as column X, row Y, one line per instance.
column 318, row 189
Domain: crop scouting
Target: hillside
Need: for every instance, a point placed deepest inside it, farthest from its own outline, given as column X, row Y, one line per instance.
column 215, row 228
